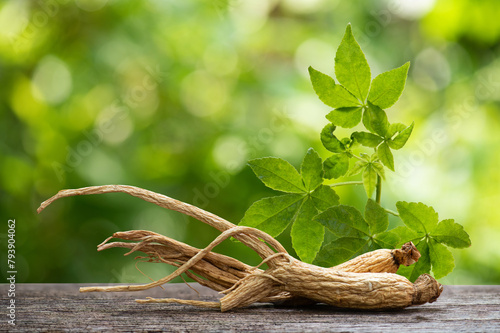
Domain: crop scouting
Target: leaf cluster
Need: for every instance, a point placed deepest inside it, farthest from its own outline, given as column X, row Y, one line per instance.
column 357, row 98
column 313, row 208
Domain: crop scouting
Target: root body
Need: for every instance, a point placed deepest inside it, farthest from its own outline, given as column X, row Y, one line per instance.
column 365, row 282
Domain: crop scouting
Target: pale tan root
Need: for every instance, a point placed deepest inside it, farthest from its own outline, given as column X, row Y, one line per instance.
column 223, row 272
column 226, row 234
column 213, row 305
column 285, row 279
column 381, row 261
column 370, row 291
column 166, row 202
column 308, row 284
column 253, row 289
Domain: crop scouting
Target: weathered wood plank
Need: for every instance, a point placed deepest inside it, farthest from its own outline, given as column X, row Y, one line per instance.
column 60, row 307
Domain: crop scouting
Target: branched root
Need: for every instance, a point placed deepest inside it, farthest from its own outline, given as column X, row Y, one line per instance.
column 365, row 282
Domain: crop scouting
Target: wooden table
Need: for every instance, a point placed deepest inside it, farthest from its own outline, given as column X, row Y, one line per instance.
column 60, row 307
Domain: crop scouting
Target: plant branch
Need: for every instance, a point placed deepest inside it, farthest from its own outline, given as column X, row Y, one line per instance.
column 346, row 183
column 359, row 158
column 391, row 212
column 379, row 189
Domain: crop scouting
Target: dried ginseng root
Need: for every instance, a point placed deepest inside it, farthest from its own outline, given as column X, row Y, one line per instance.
column 365, row 282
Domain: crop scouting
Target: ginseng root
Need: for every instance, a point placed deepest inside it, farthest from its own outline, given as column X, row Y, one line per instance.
column 365, row 282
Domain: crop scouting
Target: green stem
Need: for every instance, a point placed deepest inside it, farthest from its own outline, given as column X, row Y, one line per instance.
column 359, row 158
column 346, row 183
column 391, row 212
column 379, row 189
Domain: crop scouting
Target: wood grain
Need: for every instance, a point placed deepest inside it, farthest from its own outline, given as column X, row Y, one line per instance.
column 60, row 307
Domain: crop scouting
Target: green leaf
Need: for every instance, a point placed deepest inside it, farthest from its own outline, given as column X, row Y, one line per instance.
column 274, row 214
column 400, row 140
column 386, row 240
column 330, row 141
column 347, row 142
column 379, row 169
column 422, row 266
column 336, row 166
column 333, row 95
column 339, row 251
column 417, row 216
column 369, row 179
column 378, row 120
column 367, row 121
column 307, row 234
column 277, row 174
column 385, row 155
column 312, row 170
column 406, row 235
column 347, row 117
column 324, row 197
column 387, row 87
column 452, row 234
column 441, row 259
column 357, row 168
column 376, row 217
column 351, row 67
column 367, row 139
column 344, row 221
column 395, row 128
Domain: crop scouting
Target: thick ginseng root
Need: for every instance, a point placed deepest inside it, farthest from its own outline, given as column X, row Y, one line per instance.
column 369, row 291
column 347, row 285
column 356, row 290
column 381, row 261
column 220, row 272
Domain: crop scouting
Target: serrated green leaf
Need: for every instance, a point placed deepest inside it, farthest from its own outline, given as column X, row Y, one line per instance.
column 442, row 260
column 274, row 214
column 307, row 234
column 405, row 235
column 377, row 119
column 333, row 95
column 357, row 168
column 417, row 216
column 344, row 221
column 369, row 179
column 339, row 251
column 347, row 117
column 367, row 139
column 386, row 240
column 277, row 174
column 422, row 266
column 395, row 128
column 367, row 120
column 379, row 169
column 385, row 155
column 452, row 234
column 336, row 166
column 351, row 68
column 324, row 197
column 387, row 87
column 400, row 140
column 376, row 217
column 312, row 170
column 330, row 141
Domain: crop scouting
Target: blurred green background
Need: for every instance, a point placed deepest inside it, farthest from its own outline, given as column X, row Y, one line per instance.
column 175, row 96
